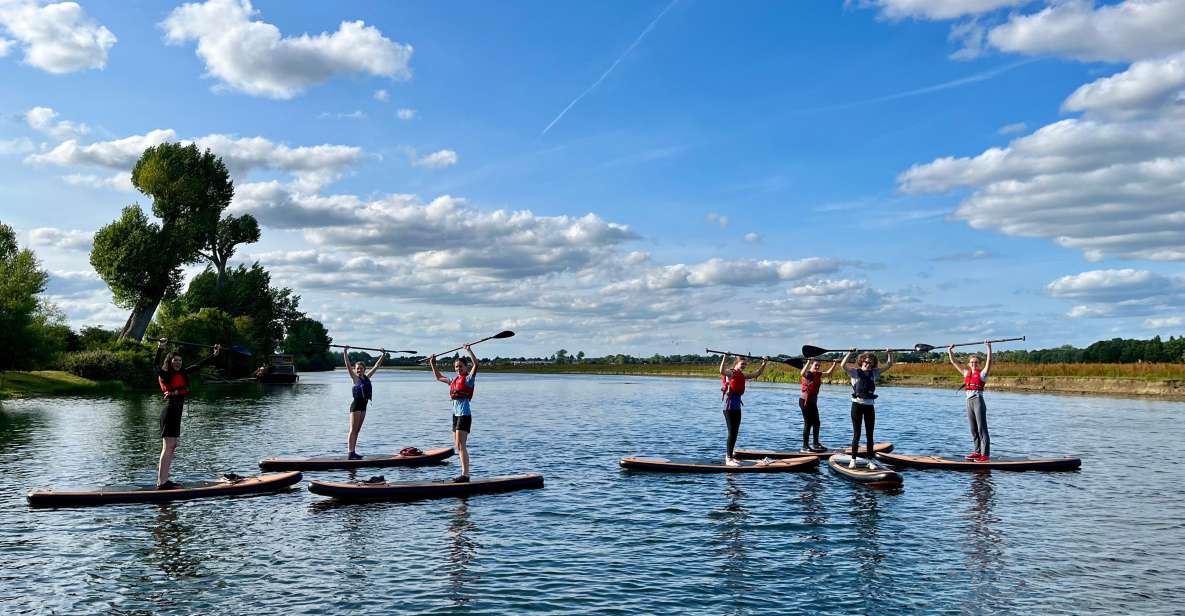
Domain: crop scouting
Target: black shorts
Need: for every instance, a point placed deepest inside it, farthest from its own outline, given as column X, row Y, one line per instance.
column 462, row 423
column 170, row 418
column 358, row 405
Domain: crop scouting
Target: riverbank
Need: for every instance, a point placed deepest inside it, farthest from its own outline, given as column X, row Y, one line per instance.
column 51, row 383
column 1140, row 380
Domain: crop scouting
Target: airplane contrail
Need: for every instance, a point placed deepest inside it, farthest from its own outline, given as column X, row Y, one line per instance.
column 611, row 67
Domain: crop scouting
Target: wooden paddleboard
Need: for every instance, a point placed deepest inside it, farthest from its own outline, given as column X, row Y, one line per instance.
column 690, row 465
column 1043, row 464
column 149, row 494
column 416, row 490
column 431, row 456
column 760, row 454
column 881, row 477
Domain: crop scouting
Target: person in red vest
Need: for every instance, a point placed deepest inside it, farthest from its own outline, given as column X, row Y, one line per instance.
column 460, row 389
column 808, row 401
column 732, row 387
column 173, row 377
column 974, row 380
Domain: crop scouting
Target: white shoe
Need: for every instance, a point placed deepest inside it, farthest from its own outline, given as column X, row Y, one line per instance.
column 871, row 466
column 852, row 463
column 731, row 462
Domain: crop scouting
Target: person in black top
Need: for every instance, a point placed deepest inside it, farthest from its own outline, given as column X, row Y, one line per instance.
column 173, row 377
column 362, row 392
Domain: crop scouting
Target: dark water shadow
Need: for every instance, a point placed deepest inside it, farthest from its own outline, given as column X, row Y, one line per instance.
column 463, row 547
column 172, row 552
column 983, row 549
column 732, row 546
column 866, row 513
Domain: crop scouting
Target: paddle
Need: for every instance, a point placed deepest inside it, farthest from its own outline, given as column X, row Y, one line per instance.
column 814, row 351
column 926, row 348
column 502, row 334
column 797, row 362
column 238, row 348
column 358, row 348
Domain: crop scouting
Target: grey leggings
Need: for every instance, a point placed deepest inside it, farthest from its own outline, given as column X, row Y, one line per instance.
column 977, row 417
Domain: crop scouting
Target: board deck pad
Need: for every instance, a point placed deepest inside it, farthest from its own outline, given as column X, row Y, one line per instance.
column 1002, row 464
column 417, row 490
column 758, row 454
column 881, row 477
column 694, row 465
column 293, row 463
column 149, row 494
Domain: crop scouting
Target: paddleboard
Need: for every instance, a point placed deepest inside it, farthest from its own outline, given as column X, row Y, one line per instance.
column 691, row 465
column 760, row 454
column 1046, row 464
column 431, row 456
column 880, row 478
column 149, row 494
column 415, row 490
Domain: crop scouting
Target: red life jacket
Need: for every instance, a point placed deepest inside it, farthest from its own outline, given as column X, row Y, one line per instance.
column 973, row 380
column 458, row 390
column 733, row 384
column 811, row 386
column 177, row 384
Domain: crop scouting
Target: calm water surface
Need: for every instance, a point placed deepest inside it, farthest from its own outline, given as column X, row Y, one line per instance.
column 596, row 540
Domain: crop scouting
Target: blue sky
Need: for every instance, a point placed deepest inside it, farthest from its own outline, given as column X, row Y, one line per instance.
column 758, row 176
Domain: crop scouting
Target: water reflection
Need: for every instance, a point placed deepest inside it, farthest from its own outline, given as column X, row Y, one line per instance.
column 16, row 429
column 983, row 548
column 463, row 547
column 171, row 551
column 814, row 516
column 865, row 508
column 733, row 517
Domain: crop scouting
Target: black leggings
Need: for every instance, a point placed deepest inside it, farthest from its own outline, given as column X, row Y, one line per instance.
column 867, row 413
column 733, row 419
column 810, row 420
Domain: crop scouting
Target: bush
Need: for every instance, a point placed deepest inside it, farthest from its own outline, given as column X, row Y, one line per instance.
column 130, row 367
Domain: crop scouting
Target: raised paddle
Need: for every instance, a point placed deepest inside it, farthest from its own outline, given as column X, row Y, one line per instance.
column 814, row 351
column 349, row 346
column 502, row 334
column 797, row 362
column 238, row 348
column 926, row 348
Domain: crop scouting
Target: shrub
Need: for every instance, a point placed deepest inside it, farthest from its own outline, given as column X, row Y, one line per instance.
column 129, row 367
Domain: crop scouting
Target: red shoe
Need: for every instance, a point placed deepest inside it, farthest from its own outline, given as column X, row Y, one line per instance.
column 971, row 456
column 983, row 459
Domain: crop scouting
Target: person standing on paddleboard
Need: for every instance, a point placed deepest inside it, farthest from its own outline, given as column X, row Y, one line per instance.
column 362, row 393
column 974, row 380
column 460, row 389
column 864, row 375
column 732, row 388
column 173, row 377
column 811, row 381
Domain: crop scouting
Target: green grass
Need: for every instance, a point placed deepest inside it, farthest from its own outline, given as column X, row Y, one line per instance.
column 50, row 383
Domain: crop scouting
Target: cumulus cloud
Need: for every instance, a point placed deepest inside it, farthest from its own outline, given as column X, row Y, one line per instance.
column 57, row 37
column 73, row 284
column 62, row 239
column 436, row 160
column 1119, row 293
column 752, row 237
column 1122, row 32
column 382, row 96
column 405, row 114
column 1146, row 86
column 121, row 181
column 20, row 145
column 1012, row 129
column 42, row 119
column 1163, row 322
column 936, row 9
column 253, row 57
column 114, row 154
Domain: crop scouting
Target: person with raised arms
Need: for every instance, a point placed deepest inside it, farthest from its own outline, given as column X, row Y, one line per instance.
column 362, row 392
column 173, row 376
column 864, row 375
column 974, row 381
column 460, row 389
column 808, row 401
column 732, row 382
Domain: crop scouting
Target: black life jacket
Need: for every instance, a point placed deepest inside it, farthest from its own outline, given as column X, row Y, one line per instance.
column 362, row 388
column 864, row 387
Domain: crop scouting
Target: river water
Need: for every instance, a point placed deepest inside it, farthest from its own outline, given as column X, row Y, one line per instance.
column 596, row 539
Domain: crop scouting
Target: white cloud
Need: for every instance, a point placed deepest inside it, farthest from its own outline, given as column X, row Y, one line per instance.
column 253, row 57
column 1120, row 293
column 62, row 239
column 1012, row 129
column 42, row 119
column 405, row 114
column 57, row 37
column 937, row 9
column 121, row 181
column 115, row 154
column 717, row 219
column 382, row 96
column 1127, row 31
column 436, row 160
column 1146, row 86
column 19, row 145
column 357, row 114
column 1164, row 322
column 752, row 237
column 73, row 284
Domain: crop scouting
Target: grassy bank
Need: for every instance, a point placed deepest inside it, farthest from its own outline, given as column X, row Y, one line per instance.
column 51, row 383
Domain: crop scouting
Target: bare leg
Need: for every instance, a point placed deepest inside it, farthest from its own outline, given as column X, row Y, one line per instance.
column 459, row 439
column 356, row 419
column 168, row 451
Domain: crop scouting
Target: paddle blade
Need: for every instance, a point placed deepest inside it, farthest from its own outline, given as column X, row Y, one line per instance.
column 797, row 362
column 241, row 350
column 812, row 351
column 923, row 348
column 502, row 334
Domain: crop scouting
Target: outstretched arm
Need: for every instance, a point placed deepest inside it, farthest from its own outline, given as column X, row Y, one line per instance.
column 831, row 369
column 208, row 359
column 377, row 363
column 436, row 371
column 760, row 369
column 846, row 357
column 723, row 360
column 987, row 365
column 349, row 368
column 160, row 351
column 950, row 354
column 472, row 358
column 888, row 361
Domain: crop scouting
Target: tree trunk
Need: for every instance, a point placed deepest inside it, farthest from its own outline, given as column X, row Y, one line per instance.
column 139, row 319
column 221, row 265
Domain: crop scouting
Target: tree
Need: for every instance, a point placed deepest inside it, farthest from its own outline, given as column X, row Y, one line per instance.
column 561, row 356
column 308, row 341
column 246, row 292
column 229, row 233
column 21, row 280
column 579, row 356
column 141, row 260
